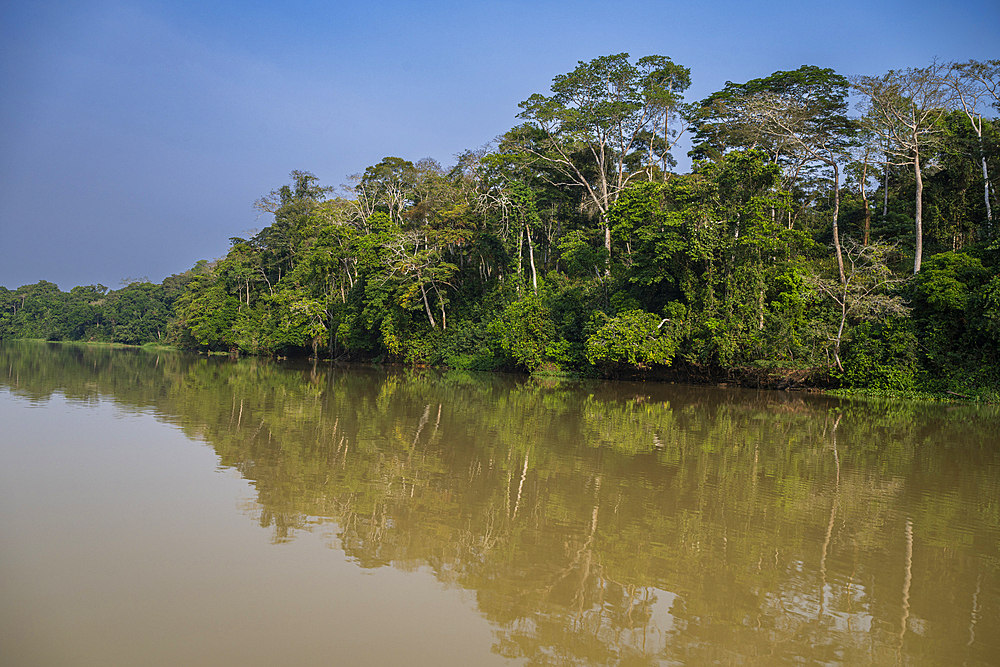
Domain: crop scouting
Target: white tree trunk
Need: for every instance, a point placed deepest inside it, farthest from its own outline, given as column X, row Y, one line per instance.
column 986, row 186
column 836, row 230
column 531, row 258
column 918, row 218
column 427, row 307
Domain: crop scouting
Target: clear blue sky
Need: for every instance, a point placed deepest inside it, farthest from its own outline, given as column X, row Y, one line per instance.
column 135, row 135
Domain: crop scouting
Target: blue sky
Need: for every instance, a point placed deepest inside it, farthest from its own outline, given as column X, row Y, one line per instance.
column 135, row 135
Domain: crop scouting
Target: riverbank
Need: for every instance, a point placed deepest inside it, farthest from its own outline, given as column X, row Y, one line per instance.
column 762, row 376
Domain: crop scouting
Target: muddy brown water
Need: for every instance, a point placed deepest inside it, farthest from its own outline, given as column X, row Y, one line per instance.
column 165, row 509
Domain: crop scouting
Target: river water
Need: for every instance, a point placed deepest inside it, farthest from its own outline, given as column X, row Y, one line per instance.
column 165, row 509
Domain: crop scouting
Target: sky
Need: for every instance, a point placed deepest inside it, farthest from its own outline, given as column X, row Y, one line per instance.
column 135, row 135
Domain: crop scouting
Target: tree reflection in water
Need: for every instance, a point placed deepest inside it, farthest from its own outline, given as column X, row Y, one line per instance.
column 608, row 523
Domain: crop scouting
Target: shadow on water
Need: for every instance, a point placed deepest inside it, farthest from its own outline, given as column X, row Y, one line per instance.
column 607, row 523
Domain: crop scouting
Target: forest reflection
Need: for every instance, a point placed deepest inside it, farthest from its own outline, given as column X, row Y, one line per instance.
column 607, row 523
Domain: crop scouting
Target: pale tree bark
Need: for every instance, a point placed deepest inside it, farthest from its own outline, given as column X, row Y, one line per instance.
column 918, row 251
column 427, row 307
column 789, row 123
column 577, row 118
column 973, row 84
column 903, row 109
column 531, row 259
column 863, row 183
column 864, row 292
column 836, row 215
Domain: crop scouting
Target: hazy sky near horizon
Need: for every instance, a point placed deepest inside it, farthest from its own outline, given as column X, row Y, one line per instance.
column 135, row 135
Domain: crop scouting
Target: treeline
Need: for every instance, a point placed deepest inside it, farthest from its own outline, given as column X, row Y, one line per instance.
column 138, row 313
column 809, row 243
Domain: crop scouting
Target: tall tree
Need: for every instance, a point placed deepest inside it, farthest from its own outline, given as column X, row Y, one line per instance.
column 591, row 129
column 291, row 206
column 721, row 127
column 666, row 83
column 906, row 106
column 864, row 159
column 866, row 292
column 799, row 115
column 974, row 85
column 386, row 186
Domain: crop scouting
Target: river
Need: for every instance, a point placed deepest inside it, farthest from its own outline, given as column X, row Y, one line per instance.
column 170, row 509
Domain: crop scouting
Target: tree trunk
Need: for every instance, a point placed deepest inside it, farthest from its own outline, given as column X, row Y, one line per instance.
column 333, row 339
column 840, row 330
column 603, row 206
column 885, row 188
column 864, row 196
column 760, row 307
column 986, row 186
column 918, row 217
column 836, row 231
column 666, row 140
column 520, row 246
column 427, row 306
column 444, row 318
column 531, row 258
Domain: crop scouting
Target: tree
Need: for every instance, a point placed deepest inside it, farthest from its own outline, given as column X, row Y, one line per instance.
column 137, row 313
column 502, row 194
column 904, row 107
column 634, row 337
column 954, row 211
column 386, row 186
column 416, row 259
column 865, row 290
column 720, row 126
column 37, row 311
column 591, row 129
column 667, row 82
column 951, row 301
column 863, row 152
column 305, row 188
column 291, row 206
column 986, row 74
column 207, row 312
column 974, row 85
column 800, row 115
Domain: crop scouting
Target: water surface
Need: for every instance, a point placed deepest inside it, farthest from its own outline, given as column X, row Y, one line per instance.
column 169, row 509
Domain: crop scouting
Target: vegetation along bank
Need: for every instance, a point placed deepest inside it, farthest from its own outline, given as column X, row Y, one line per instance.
column 811, row 244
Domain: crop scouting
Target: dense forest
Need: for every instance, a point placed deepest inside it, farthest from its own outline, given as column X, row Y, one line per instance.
column 813, row 242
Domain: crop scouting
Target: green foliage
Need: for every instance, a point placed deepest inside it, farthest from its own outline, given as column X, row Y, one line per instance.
column 882, row 356
column 569, row 244
column 137, row 314
column 581, row 255
column 945, row 282
column 208, row 313
column 468, row 345
column 954, row 313
column 633, row 337
column 820, row 93
column 525, row 331
column 989, row 309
